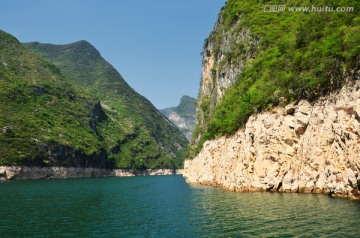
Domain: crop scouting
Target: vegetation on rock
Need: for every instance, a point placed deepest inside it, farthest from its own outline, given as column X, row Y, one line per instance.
column 298, row 55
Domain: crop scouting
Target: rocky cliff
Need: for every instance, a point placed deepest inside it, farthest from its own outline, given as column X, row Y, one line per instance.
column 253, row 60
column 278, row 107
column 226, row 52
column 183, row 116
column 303, row 147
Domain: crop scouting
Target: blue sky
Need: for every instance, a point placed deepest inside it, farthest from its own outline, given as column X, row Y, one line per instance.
column 154, row 44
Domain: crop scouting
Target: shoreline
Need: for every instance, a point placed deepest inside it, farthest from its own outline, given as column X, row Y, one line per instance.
column 256, row 190
column 34, row 173
column 302, row 147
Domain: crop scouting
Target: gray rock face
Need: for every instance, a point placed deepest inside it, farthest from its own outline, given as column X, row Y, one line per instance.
column 300, row 148
column 220, row 70
column 183, row 116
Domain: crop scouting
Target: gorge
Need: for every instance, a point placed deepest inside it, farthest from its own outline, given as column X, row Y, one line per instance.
column 270, row 147
column 278, row 108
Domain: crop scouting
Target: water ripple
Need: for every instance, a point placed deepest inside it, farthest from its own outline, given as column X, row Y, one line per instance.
column 165, row 206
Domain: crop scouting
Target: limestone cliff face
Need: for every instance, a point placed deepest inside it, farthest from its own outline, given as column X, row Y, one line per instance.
column 311, row 148
column 219, row 70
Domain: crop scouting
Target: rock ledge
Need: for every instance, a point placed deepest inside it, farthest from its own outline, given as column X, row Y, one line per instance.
column 300, row 148
column 29, row 173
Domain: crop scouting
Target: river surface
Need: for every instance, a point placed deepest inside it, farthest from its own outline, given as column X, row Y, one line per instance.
column 165, row 206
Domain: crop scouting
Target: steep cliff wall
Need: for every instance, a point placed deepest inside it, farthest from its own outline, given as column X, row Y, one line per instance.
column 221, row 68
column 303, row 147
column 255, row 59
column 278, row 107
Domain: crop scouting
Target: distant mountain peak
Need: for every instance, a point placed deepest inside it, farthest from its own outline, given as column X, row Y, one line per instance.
column 83, row 44
column 183, row 116
column 186, row 98
column 75, row 48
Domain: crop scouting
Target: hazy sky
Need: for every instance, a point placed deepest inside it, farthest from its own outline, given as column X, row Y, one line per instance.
column 154, row 44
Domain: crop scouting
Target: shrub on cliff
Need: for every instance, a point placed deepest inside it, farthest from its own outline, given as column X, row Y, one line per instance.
column 298, row 55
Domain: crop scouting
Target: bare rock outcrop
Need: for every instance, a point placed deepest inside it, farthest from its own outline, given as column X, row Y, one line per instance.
column 310, row 148
column 30, row 173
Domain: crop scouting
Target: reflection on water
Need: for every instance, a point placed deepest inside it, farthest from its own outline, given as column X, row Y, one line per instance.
column 223, row 213
column 165, row 206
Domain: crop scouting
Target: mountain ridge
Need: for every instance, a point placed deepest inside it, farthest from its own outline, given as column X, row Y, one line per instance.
column 141, row 127
column 46, row 119
column 85, row 117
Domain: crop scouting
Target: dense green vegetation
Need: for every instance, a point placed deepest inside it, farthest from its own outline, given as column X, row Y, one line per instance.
column 298, row 55
column 41, row 109
column 51, row 113
column 136, row 134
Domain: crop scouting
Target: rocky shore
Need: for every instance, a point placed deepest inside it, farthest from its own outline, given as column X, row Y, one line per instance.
column 303, row 147
column 29, row 173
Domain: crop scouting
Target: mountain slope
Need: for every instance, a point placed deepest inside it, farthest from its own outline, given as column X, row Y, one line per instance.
column 136, row 134
column 279, row 102
column 183, row 116
column 254, row 60
column 45, row 119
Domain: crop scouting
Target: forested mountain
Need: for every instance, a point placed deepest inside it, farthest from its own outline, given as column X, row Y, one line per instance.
column 75, row 109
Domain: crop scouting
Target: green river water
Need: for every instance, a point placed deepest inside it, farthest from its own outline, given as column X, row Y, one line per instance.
column 165, row 206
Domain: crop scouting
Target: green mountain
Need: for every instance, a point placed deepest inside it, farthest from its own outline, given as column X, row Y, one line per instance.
column 45, row 119
column 136, row 134
column 136, row 131
column 79, row 112
column 183, row 116
column 260, row 56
